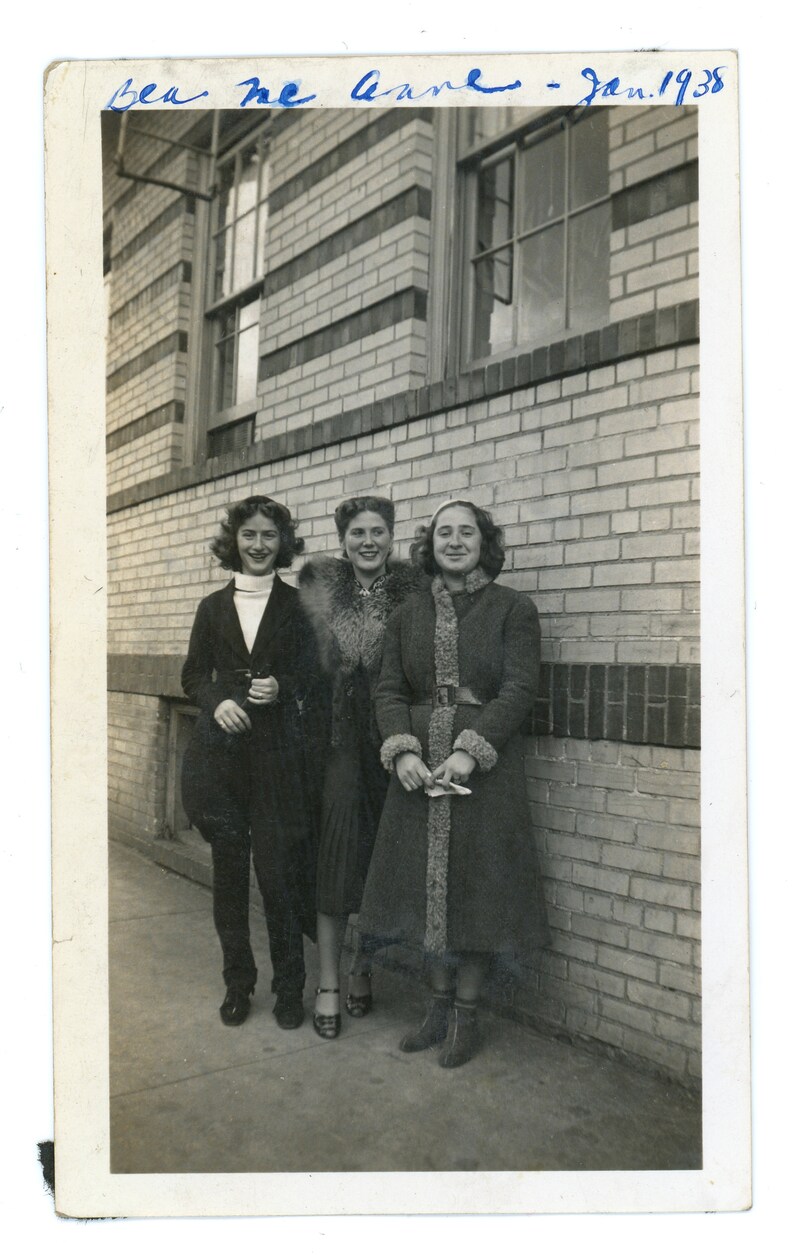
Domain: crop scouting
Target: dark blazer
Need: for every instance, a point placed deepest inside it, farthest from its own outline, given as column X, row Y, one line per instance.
column 266, row 781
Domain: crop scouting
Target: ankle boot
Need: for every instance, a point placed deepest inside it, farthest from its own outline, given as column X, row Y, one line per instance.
column 433, row 1028
column 462, row 1036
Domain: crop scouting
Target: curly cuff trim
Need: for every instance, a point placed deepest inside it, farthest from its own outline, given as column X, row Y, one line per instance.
column 401, row 743
column 478, row 747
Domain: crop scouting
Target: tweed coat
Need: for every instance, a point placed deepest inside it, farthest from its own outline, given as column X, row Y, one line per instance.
column 487, row 895
column 266, row 777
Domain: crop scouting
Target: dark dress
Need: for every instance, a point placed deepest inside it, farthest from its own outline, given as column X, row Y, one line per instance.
column 483, row 893
column 349, row 624
column 251, row 792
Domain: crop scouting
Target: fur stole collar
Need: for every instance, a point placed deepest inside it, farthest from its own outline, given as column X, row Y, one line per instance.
column 440, row 746
column 349, row 627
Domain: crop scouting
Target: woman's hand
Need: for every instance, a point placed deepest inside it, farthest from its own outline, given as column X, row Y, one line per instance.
column 231, row 717
column 457, row 767
column 411, row 771
column 263, row 692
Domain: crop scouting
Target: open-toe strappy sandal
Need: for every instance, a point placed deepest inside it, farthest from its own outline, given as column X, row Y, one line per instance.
column 327, row 1026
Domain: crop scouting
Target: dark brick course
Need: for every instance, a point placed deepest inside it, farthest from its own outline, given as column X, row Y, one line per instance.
column 655, row 196
column 644, row 705
column 581, row 701
column 172, row 412
column 675, row 326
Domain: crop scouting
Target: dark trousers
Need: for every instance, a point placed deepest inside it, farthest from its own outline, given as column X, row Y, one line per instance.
column 232, row 816
column 231, row 867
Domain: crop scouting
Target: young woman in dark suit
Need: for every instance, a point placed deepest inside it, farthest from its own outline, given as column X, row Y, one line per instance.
column 251, row 670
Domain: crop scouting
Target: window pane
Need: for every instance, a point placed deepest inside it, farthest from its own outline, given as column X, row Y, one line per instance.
column 495, row 205
column 248, row 186
column 493, row 303
column 543, row 188
column 542, row 286
column 261, row 237
column 244, row 244
column 225, row 200
column 247, row 364
column 589, row 158
column 483, row 124
column 223, row 391
column 223, row 265
column 588, row 269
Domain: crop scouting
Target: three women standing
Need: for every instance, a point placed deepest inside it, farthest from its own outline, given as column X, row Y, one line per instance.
column 457, row 873
column 348, row 602
column 251, row 670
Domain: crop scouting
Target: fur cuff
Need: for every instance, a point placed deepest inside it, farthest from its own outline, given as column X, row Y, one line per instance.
column 478, row 747
column 401, row 743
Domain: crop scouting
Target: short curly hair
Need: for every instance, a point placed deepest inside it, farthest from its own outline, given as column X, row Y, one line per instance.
column 492, row 552
column 224, row 545
column 347, row 510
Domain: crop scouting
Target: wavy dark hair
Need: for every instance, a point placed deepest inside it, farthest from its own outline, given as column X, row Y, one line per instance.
column 492, row 552
column 347, row 510
column 224, row 545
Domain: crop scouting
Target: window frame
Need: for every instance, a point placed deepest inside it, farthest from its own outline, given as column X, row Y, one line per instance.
column 215, row 309
column 515, row 142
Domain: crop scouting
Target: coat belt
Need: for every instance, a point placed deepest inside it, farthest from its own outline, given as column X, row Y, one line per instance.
column 449, row 695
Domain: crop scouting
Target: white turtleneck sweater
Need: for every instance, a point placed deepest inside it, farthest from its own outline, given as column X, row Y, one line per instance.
column 251, row 593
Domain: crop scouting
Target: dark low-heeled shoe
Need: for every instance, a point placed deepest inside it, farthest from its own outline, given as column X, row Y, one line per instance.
column 462, row 1040
column 288, row 1009
column 358, row 1005
column 236, row 1005
column 327, row 1026
column 433, row 1028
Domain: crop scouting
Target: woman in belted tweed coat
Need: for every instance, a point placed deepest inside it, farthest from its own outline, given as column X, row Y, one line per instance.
column 457, row 874
column 252, row 671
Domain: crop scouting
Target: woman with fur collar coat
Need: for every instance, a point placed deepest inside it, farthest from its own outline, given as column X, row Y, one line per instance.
column 454, row 871
column 348, row 602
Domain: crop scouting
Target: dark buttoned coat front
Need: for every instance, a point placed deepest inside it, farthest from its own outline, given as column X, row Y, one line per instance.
column 267, row 779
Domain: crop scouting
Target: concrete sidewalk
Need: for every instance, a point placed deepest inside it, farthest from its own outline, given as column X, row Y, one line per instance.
column 190, row 1095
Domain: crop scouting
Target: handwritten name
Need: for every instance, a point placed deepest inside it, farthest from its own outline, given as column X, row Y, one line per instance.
column 367, row 87
column 128, row 95
column 287, row 98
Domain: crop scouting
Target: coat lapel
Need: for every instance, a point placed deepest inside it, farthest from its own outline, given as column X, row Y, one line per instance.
column 276, row 614
column 230, row 626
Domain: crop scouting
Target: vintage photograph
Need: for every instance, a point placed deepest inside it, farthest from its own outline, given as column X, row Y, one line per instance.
column 398, row 758
column 403, row 739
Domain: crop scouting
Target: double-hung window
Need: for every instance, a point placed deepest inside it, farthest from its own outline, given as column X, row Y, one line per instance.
column 536, row 215
column 236, row 270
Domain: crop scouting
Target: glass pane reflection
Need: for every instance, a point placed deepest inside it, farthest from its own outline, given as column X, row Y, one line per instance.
column 542, row 286
column 495, row 205
column 544, row 181
column 589, row 159
column 493, row 304
column 588, row 269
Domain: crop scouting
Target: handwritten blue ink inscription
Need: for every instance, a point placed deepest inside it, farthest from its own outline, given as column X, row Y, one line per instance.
column 129, row 96
column 367, row 88
column 607, row 89
column 287, row 98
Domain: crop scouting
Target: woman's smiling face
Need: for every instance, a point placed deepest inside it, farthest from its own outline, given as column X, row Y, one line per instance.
column 258, row 543
column 457, row 541
column 368, row 544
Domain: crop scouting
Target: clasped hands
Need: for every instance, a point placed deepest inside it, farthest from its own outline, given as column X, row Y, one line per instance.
column 232, row 718
column 413, row 774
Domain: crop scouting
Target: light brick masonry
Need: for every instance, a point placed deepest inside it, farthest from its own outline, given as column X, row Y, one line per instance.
column 586, row 451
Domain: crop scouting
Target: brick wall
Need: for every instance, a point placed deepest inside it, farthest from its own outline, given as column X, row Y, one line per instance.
column 586, row 451
column 137, row 733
